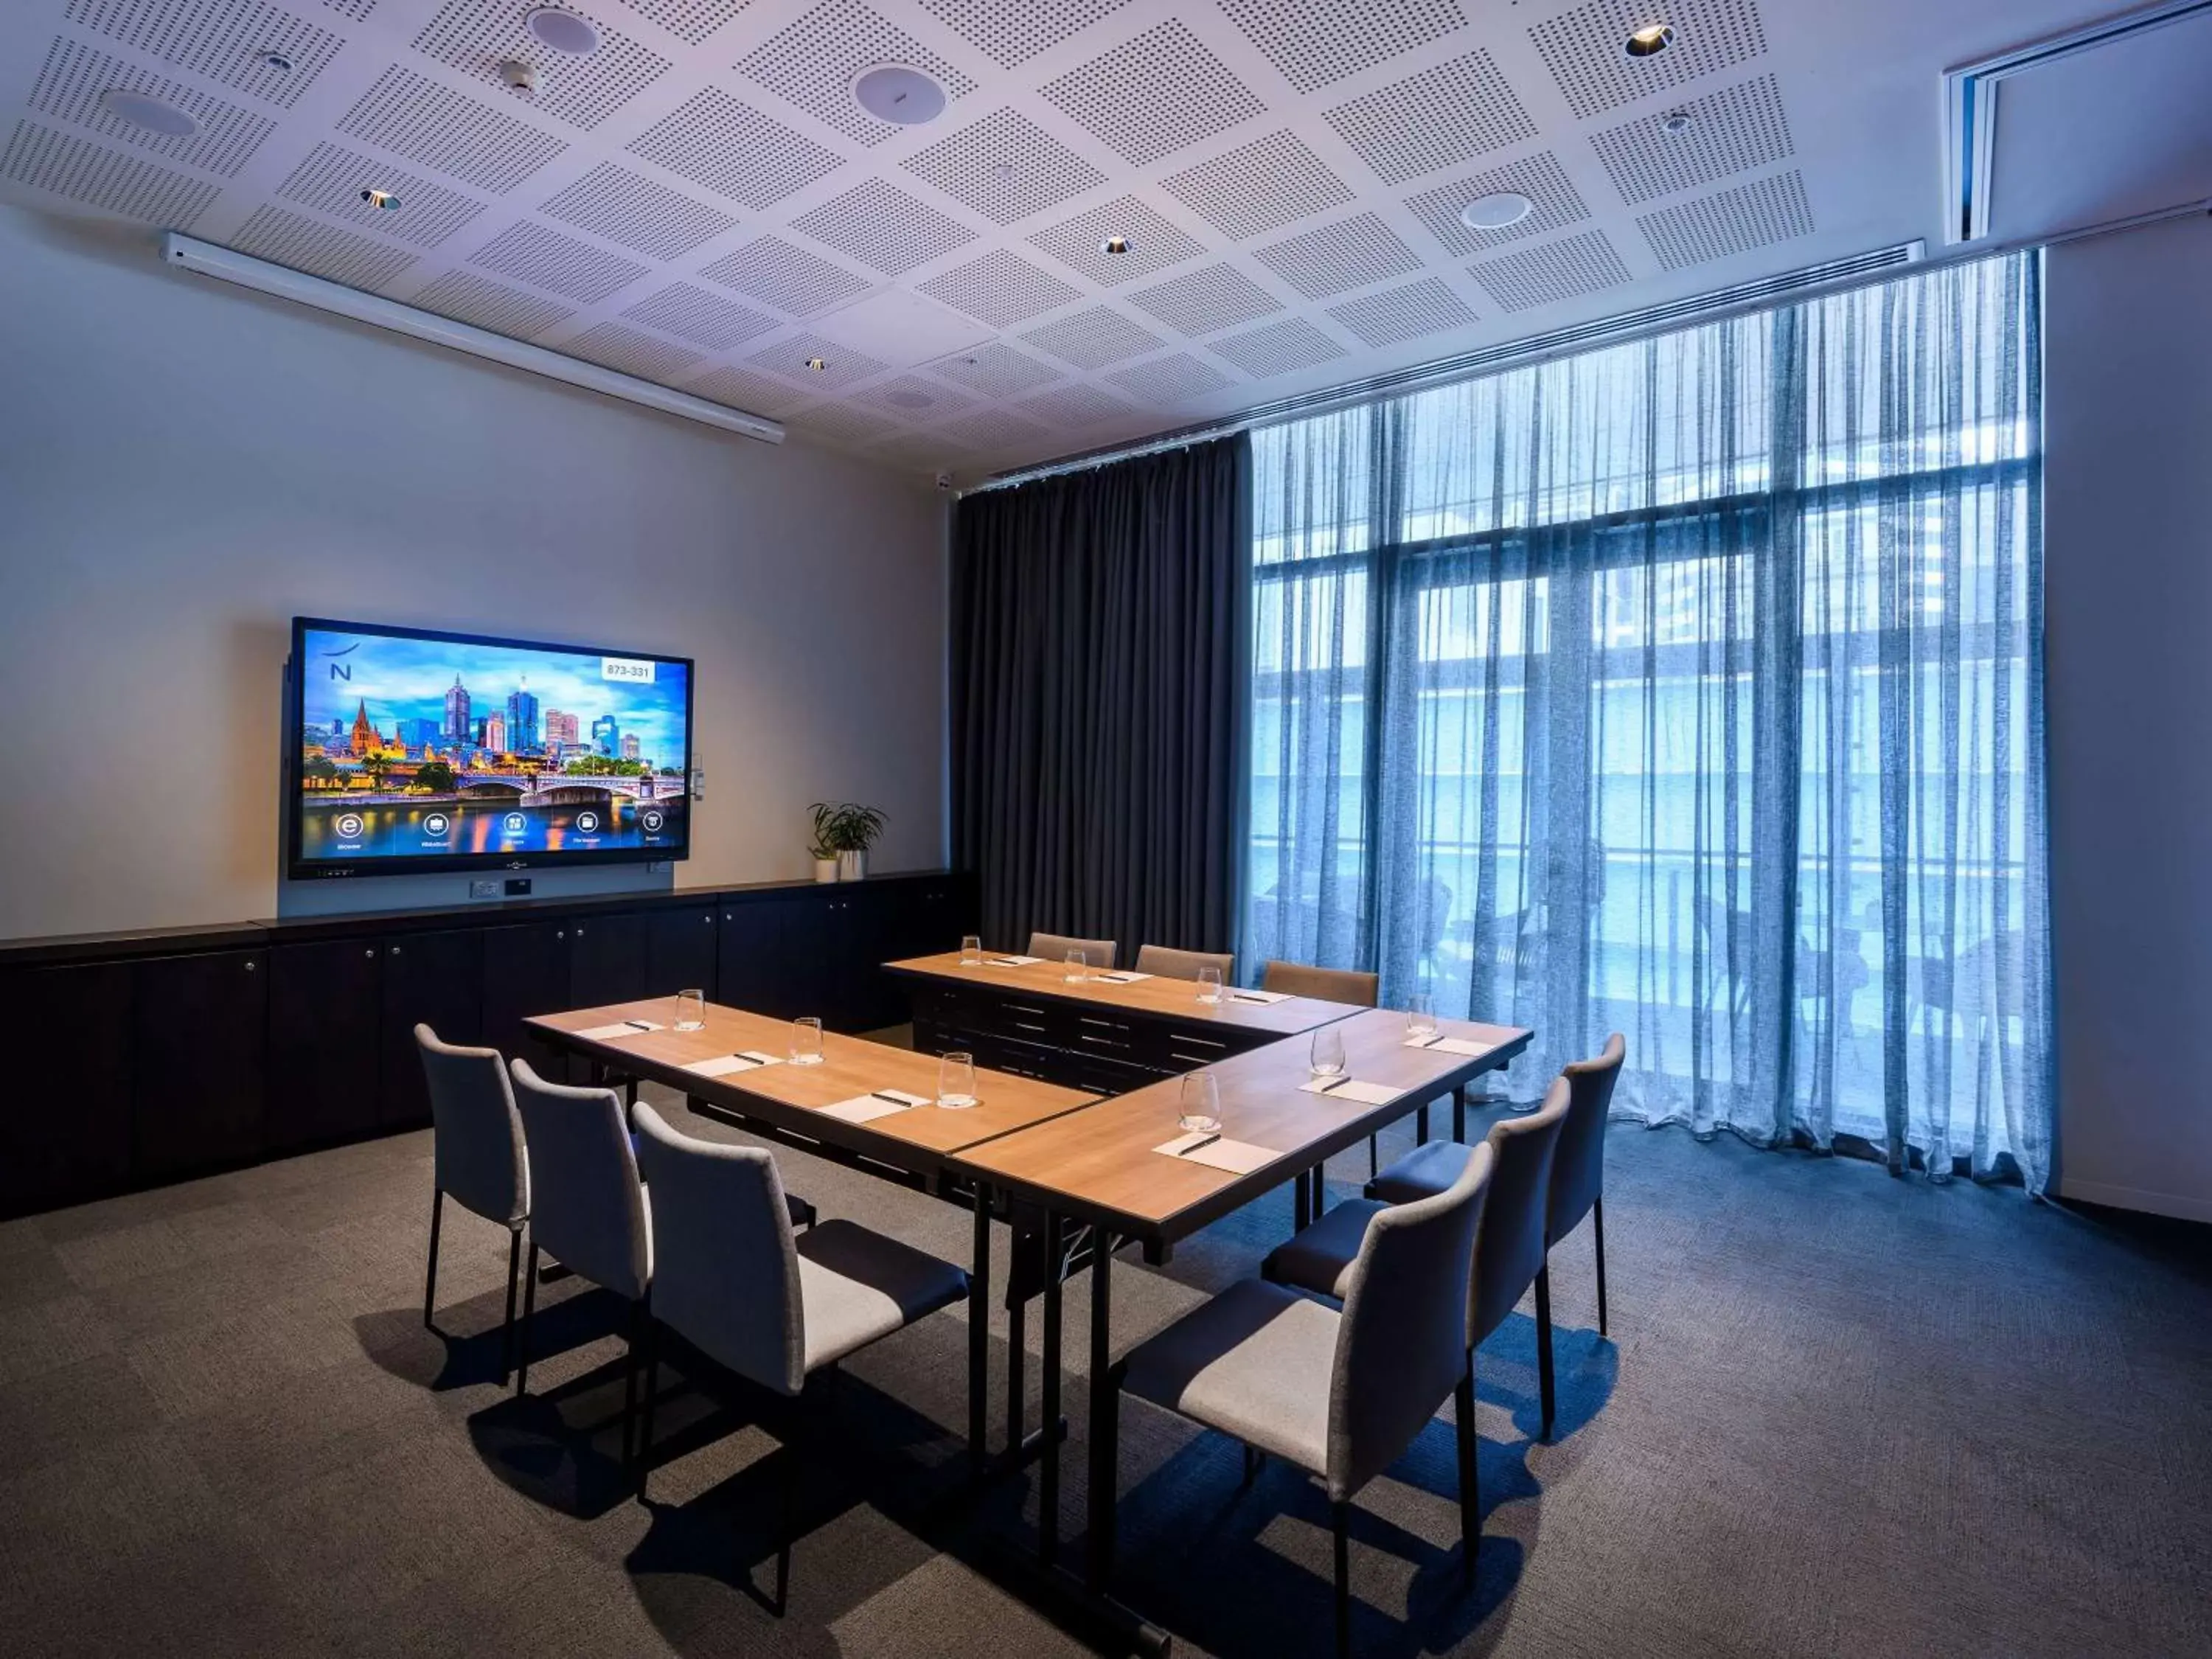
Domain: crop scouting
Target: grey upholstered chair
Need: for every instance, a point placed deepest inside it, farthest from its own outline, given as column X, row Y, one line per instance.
column 1337, row 1393
column 1298, row 979
column 1577, row 1171
column 777, row 1308
column 477, row 1160
column 588, row 1209
column 1055, row 947
column 1170, row 964
column 1508, row 1256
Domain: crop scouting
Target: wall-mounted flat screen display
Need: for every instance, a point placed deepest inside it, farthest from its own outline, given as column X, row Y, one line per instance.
column 412, row 751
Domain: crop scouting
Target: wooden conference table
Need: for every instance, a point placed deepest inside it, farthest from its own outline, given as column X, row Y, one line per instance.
column 1080, row 1159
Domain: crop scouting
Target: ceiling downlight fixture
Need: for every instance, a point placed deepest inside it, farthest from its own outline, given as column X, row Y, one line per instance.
column 379, row 198
column 817, row 365
column 1115, row 244
column 899, row 94
column 150, row 113
column 1497, row 210
column 1647, row 41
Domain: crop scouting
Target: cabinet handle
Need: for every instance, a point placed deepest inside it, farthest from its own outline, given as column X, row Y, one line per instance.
column 249, row 965
column 395, row 949
column 560, row 933
column 370, row 954
column 709, row 920
column 580, row 931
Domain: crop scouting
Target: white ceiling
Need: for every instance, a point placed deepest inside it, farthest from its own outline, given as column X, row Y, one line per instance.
column 701, row 202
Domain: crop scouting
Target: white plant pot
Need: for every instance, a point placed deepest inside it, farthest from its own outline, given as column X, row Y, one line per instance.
column 852, row 865
column 825, row 869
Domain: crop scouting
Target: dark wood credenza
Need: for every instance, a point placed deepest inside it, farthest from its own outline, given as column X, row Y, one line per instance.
column 189, row 1050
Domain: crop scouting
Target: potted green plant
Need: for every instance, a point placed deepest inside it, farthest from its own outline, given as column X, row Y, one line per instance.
column 845, row 830
column 819, row 847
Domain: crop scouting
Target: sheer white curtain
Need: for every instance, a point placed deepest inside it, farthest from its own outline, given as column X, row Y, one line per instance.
column 1690, row 688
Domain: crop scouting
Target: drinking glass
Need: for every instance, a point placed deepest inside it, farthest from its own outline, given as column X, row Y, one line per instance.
column 1328, row 1053
column 1076, row 965
column 806, row 1040
column 1420, row 1016
column 690, row 1010
column 1209, row 985
column 956, row 1081
column 971, row 950
column 1201, row 1104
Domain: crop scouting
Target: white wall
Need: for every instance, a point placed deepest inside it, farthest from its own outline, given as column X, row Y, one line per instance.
column 185, row 465
column 2128, row 581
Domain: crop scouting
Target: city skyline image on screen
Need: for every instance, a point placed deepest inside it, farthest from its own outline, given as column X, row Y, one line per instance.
column 418, row 749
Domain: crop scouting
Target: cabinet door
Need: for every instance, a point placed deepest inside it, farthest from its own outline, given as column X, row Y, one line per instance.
column 72, row 1142
column 525, row 972
column 606, row 960
column 861, row 939
column 773, row 954
column 199, row 1040
column 435, row 980
column 323, row 1052
column 681, row 947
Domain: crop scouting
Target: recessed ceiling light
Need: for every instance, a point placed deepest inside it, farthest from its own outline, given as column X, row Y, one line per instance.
column 1114, row 244
column 379, row 198
column 562, row 31
column 151, row 113
column 1676, row 122
column 910, row 399
column 817, row 364
column 1650, row 40
column 899, row 93
column 1497, row 211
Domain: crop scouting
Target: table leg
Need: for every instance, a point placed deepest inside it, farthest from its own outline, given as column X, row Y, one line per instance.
column 1459, row 1114
column 979, row 1333
column 1302, row 1206
column 1421, row 1124
column 1018, row 1337
column 1048, row 1484
column 1105, row 1417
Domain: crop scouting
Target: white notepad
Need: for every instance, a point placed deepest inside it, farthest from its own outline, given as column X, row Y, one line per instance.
column 1119, row 976
column 865, row 1108
column 1451, row 1045
column 609, row 1033
column 1259, row 996
column 1236, row 1156
column 1012, row 962
column 1366, row 1093
column 723, row 1066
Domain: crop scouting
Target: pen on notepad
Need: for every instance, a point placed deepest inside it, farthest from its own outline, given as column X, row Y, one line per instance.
column 1200, row 1145
column 640, row 1025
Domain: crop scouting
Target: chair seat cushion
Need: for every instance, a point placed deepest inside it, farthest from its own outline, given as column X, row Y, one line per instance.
column 1428, row 1170
column 857, row 1286
column 1318, row 1258
column 1254, row 1363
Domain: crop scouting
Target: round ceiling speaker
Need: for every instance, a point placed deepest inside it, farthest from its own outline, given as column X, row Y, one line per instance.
column 1496, row 212
column 900, row 94
column 562, row 31
column 151, row 113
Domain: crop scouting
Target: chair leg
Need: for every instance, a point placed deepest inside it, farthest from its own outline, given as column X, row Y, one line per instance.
column 430, row 1278
column 1598, row 1226
column 1544, row 1344
column 529, row 1315
column 507, row 1333
column 652, row 1393
column 1342, row 1515
column 1470, row 1490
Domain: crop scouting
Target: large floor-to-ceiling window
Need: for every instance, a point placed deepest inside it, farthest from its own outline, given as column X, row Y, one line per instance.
column 1692, row 689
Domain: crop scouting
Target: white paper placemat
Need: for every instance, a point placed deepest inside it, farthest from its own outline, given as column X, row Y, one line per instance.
column 1012, row 962
column 865, row 1108
column 1259, row 996
column 609, row 1033
column 1236, row 1156
column 1366, row 1093
column 1119, row 976
column 1451, row 1045
column 722, row 1066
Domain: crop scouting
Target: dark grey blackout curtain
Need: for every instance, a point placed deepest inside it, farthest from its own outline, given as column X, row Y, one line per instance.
column 1100, row 642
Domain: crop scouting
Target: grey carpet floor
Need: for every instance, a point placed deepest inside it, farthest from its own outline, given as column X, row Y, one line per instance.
column 1838, row 1414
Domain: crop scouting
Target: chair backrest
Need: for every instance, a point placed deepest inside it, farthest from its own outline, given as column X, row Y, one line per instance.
column 1509, row 1253
column 587, row 1210
column 1171, row 963
column 1403, row 1345
column 475, row 1135
column 1055, row 947
column 725, row 1272
column 1578, row 1164
column 1297, row 978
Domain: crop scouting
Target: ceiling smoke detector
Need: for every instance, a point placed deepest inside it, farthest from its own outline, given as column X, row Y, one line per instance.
column 518, row 76
column 1496, row 211
column 151, row 113
column 900, row 94
column 1648, row 41
column 562, row 31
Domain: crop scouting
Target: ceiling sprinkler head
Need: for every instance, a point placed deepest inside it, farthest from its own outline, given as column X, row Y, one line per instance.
column 1676, row 122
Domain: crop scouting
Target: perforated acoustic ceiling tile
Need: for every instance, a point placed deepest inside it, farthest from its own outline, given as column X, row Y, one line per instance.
column 1202, row 301
column 1270, row 182
column 223, row 40
column 1451, row 113
column 1076, row 405
column 1277, row 349
column 356, row 9
column 468, row 297
column 1001, row 289
column 631, row 209
column 1168, row 380
column 910, row 397
column 691, row 20
column 740, row 388
column 1582, row 48
column 1153, row 243
column 442, row 131
column 1550, row 272
column 1731, row 130
column 102, row 177
column 1349, row 254
column 1311, row 44
column 996, row 370
column 1004, row 167
column 332, row 179
column 812, row 61
column 476, row 36
column 787, row 277
column 884, row 228
column 1094, row 339
column 547, row 259
column 992, row 428
column 1707, row 227
column 1011, row 31
column 1153, row 94
column 1538, row 177
column 1404, row 314
column 74, row 75
column 844, row 423
column 733, row 149
column 627, row 351
column 841, row 366
column 304, row 244
column 692, row 314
